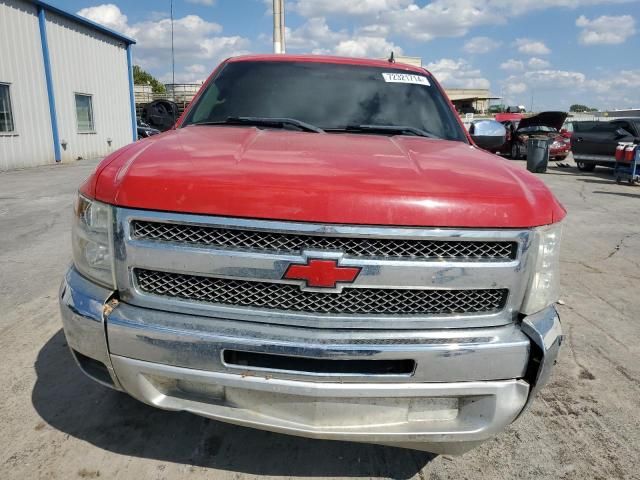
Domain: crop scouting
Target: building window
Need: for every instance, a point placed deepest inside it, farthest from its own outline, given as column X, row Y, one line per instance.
column 84, row 113
column 6, row 113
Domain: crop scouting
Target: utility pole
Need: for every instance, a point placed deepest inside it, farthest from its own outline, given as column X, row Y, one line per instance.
column 278, row 26
column 532, row 92
column 173, row 59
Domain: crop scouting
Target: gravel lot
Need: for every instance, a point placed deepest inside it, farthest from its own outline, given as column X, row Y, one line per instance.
column 56, row 424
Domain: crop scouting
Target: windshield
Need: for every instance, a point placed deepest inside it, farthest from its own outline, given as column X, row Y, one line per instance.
column 329, row 96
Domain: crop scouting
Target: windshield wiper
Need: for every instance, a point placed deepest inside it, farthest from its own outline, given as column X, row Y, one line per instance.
column 392, row 129
column 265, row 122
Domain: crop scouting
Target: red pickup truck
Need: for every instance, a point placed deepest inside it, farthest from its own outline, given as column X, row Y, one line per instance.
column 319, row 248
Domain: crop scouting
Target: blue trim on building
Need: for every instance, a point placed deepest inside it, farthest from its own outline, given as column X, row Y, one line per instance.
column 83, row 21
column 42, row 23
column 132, row 100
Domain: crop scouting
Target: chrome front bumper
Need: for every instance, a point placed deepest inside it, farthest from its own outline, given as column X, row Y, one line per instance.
column 467, row 385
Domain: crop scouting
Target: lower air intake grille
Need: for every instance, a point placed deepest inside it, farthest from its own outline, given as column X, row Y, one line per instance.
column 352, row 301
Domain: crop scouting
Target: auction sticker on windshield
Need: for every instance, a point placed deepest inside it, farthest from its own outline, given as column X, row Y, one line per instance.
column 405, row 78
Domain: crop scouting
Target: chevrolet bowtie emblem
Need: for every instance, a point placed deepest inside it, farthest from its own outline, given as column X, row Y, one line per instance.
column 321, row 273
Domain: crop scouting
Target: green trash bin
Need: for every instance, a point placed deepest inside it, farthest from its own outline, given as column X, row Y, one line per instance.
column 537, row 154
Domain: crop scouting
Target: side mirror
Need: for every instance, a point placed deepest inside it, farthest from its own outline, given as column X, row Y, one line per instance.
column 488, row 134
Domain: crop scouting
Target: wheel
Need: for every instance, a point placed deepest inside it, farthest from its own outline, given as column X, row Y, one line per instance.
column 585, row 166
column 618, row 179
column 515, row 151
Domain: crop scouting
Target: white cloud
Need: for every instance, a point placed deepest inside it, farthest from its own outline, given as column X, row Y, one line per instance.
column 481, row 45
column 195, row 40
column 554, row 78
column 362, row 46
column 545, row 84
column 196, row 73
column 457, row 74
column 315, row 8
column 524, row 6
column 532, row 47
column 316, row 36
column 625, row 82
column 613, row 90
column 440, row 18
column 605, row 30
column 617, row 90
column 512, row 65
column 196, row 68
column 536, row 63
column 515, row 88
column 374, row 30
column 108, row 15
column 206, row 3
column 425, row 21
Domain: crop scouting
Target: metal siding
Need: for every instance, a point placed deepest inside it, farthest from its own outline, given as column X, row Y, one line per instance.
column 21, row 65
column 89, row 62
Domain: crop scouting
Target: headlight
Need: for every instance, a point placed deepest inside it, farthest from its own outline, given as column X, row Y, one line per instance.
column 544, row 284
column 91, row 240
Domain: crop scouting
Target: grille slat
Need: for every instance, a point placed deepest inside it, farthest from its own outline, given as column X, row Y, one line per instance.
column 292, row 242
column 351, row 301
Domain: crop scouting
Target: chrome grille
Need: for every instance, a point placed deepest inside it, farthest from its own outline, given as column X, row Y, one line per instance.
column 293, row 242
column 351, row 301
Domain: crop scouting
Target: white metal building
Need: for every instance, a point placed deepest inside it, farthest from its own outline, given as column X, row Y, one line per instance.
column 66, row 86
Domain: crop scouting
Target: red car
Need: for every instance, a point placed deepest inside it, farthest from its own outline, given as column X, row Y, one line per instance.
column 545, row 124
column 319, row 248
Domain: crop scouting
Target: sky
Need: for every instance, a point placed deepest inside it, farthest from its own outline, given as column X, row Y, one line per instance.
column 545, row 54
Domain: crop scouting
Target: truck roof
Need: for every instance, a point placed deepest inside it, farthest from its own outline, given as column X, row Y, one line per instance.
column 368, row 62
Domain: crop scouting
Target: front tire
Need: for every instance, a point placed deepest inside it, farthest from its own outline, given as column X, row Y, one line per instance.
column 586, row 166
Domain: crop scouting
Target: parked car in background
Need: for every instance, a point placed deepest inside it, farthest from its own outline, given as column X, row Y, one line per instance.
column 493, row 109
column 545, row 124
column 504, row 117
column 145, row 131
column 571, row 126
column 594, row 143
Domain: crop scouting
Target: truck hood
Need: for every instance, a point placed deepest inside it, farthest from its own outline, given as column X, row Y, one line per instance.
column 328, row 178
column 544, row 119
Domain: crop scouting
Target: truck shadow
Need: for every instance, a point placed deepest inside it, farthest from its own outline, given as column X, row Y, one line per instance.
column 607, row 181
column 75, row 405
column 620, row 194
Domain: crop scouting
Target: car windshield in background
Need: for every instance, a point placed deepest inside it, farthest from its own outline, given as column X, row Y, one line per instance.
column 333, row 97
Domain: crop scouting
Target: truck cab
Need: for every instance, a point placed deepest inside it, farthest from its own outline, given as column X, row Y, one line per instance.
column 319, row 248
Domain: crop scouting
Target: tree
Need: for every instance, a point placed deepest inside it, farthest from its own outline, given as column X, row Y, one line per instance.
column 581, row 108
column 140, row 77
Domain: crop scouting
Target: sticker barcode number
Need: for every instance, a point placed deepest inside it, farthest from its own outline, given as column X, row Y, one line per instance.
column 405, row 78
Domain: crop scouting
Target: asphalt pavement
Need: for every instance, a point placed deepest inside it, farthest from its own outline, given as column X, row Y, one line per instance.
column 57, row 424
